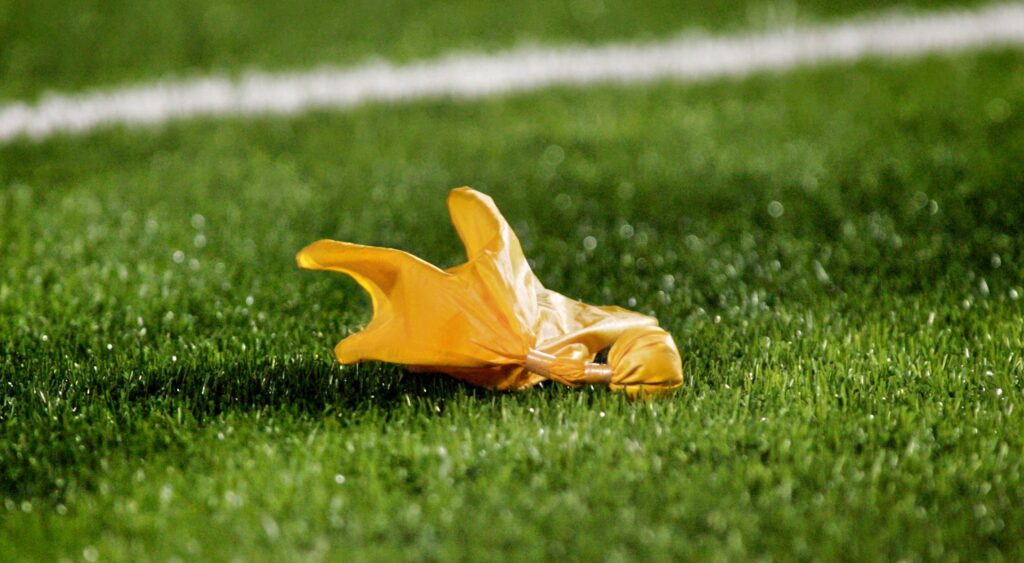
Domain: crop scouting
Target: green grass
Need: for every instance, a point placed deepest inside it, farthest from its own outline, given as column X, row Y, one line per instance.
column 56, row 45
column 853, row 365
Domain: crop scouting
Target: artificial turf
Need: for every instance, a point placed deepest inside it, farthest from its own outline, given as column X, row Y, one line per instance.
column 58, row 45
column 836, row 250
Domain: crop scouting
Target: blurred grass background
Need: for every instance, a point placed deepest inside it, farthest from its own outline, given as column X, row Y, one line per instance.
column 59, row 45
column 836, row 251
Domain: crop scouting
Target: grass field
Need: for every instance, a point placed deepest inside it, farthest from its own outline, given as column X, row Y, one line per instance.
column 55, row 44
column 836, row 250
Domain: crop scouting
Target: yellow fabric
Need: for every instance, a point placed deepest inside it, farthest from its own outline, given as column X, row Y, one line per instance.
column 478, row 321
column 645, row 361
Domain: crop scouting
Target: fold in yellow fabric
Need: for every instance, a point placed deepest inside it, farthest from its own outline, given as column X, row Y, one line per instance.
column 490, row 321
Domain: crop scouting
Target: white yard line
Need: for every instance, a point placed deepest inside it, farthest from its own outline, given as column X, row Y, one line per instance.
column 476, row 75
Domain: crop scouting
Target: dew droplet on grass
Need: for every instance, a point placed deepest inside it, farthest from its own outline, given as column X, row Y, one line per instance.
column 553, row 156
